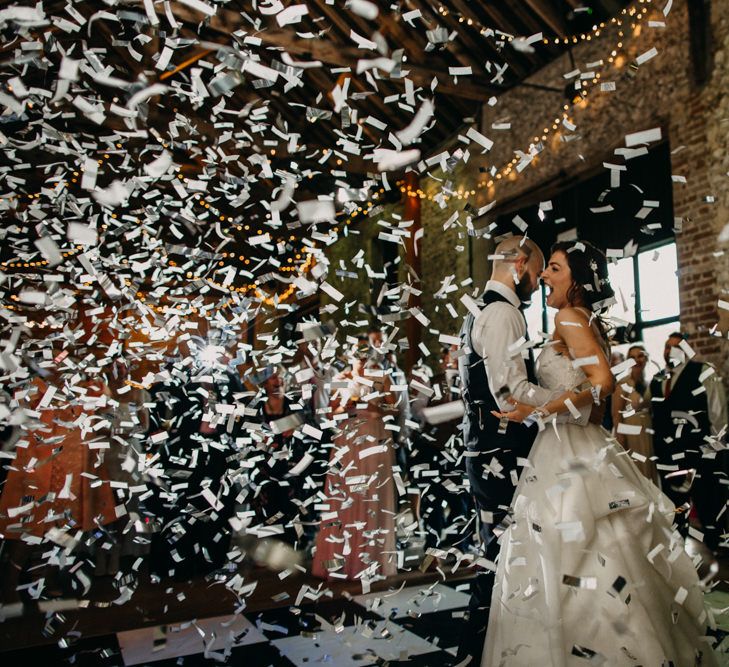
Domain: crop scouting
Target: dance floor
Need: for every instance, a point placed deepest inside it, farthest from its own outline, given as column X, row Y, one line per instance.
column 413, row 619
column 415, row 626
column 412, row 624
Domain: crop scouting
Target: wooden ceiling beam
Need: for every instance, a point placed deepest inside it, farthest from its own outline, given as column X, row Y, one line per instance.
column 465, row 58
column 329, row 53
column 573, row 4
column 522, row 64
column 353, row 163
column 337, row 18
column 496, row 18
column 226, row 22
column 322, row 82
column 376, row 99
column 523, row 22
column 413, row 42
column 371, row 104
column 492, row 22
column 546, row 13
column 323, row 135
column 388, row 25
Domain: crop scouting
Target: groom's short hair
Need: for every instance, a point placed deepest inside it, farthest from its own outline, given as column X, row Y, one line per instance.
column 514, row 246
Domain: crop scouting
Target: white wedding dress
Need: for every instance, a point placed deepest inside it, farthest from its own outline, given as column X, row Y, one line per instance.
column 590, row 572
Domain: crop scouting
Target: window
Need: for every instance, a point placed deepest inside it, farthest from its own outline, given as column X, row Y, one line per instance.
column 658, row 287
column 656, row 300
column 622, row 279
column 646, row 292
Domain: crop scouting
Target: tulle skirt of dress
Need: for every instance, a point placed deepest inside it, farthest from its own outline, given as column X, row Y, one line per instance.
column 590, row 571
column 642, row 443
column 357, row 533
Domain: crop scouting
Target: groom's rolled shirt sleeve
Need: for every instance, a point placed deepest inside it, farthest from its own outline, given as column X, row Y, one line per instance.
column 498, row 327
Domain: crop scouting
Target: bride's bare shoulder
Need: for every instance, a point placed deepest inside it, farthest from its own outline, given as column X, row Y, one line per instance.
column 571, row 316
column 578, row 331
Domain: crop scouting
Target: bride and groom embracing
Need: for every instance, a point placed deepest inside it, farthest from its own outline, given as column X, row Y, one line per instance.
column 586, row 567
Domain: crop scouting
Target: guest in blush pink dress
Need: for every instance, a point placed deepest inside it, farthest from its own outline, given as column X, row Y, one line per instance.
column 56, row 481
column 357, row 532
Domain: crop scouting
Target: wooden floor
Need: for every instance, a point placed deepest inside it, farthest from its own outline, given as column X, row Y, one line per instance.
column 172, row 602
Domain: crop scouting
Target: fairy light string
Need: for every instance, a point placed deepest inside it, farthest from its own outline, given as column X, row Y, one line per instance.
column 632, row 15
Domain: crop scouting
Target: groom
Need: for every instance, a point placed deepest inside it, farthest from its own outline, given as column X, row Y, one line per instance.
column 492, row 369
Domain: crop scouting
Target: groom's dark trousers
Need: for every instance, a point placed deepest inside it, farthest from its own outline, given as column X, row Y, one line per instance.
column 491, row 464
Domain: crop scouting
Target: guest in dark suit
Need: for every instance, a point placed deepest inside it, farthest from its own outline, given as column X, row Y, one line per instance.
column 193, row 498
column 688, row 405
column 436, row 450
column 277, row 492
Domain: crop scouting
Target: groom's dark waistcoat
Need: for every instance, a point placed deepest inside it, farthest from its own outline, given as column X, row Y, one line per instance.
column 480, row 427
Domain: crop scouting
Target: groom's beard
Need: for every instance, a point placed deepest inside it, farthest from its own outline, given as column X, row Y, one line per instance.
column 525, row 289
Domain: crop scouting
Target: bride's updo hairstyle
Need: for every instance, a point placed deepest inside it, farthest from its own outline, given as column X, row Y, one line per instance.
column 590, row 281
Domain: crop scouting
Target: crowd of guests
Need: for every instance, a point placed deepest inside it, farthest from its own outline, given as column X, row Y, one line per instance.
column 673, row 425
column 330, row 455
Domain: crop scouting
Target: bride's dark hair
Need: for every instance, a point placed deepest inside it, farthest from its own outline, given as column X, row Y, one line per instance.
column 590, row 281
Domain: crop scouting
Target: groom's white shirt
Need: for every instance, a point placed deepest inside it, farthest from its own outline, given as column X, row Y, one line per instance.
column 499, row 326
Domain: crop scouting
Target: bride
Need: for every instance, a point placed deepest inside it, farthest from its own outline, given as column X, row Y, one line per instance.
column 590, row 570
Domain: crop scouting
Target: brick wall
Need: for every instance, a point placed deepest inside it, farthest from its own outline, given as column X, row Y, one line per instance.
column 444, row 253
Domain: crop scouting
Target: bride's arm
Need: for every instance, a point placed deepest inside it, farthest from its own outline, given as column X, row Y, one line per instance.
column 573, row 327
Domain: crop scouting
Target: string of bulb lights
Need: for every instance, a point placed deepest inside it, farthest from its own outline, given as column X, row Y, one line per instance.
column 585, row 36
column 20, row 263
column 508, row 170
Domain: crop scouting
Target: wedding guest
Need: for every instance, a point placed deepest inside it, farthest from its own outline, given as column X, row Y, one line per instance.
column 382, row 355
column 315, row 385
column 129, row 417
column 607, row 419
column 193, row 499
column 276, row 492
column 357, row 534
column 9, row 433
column 631, row 407
column 57, row 480
column 434, row 469
column 688, row 405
